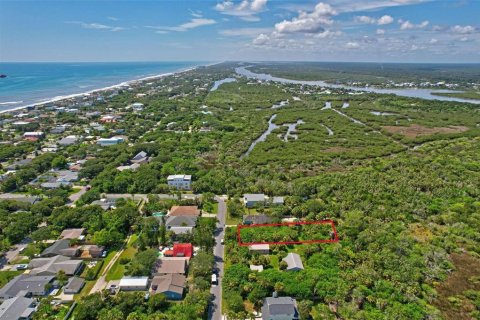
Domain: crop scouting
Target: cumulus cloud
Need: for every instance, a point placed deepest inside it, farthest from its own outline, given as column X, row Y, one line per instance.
column 433, row 41
column 308, row 22
column 262, row 39
column 352, row 45
column 245, row 10
column 386, row 19
column 463, row 29
column 407, row 25
column 380, row 31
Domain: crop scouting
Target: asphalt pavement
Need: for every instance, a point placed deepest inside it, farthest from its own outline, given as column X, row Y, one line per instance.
column 215, row 308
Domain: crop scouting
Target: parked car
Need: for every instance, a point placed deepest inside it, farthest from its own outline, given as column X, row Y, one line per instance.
column 214, row 279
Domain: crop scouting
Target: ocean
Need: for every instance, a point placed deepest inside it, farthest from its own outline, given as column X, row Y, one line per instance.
column 32, row 83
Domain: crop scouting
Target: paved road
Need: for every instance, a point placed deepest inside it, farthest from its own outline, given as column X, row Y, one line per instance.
column 215, row 309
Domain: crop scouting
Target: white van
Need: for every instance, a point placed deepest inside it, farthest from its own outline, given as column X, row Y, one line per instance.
column 214, row 279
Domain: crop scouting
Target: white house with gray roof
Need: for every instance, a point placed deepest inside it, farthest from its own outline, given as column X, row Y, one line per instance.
column 294, row 262
column 281, row 308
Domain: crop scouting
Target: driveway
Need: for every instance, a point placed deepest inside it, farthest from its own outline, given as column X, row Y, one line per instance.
column 215, row 308
column 102, row 281
column 75, row 196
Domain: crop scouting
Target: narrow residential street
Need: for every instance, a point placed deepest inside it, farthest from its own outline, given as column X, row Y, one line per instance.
column 215, row 309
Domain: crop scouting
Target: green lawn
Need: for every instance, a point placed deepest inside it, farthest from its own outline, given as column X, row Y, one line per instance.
column 117, row 271
column 215, row 208
column 86, row 290
column 107, row 260
column 233, row 220
column 6, row 276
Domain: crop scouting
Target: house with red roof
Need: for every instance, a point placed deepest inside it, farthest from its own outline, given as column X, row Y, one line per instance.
column 183, row 250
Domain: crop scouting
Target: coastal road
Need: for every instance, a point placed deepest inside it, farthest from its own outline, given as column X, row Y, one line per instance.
column 215, row 308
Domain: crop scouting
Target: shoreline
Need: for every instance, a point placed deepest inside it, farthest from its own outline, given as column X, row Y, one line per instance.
column 107, row 88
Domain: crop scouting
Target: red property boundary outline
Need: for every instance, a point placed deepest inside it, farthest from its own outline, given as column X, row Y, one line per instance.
column 330, row 222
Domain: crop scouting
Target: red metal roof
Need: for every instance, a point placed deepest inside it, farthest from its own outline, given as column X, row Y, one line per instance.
column 183, row 250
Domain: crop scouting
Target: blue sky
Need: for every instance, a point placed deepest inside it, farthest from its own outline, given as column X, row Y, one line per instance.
column 203, row 30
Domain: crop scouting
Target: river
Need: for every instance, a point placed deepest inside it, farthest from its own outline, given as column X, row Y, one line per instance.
column 413, row 93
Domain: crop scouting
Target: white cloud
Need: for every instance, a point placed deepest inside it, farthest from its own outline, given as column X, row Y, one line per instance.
column 463, row 29
column 196, row 14
column 311, row 22
column 365, row 19
column 262, row 39
column 112, row 18
column 244, row 32
column 386, row 19
column 192, row 24
column 328, row 34
column 245, row 10
column 380, row 31
column 97, row 26
column 433, row 41
column 352, row 45
column 407, row 25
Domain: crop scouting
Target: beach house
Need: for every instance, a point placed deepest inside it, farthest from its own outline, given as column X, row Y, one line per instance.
column 180, row 181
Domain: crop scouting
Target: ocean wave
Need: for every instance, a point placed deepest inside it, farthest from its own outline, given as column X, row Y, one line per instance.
column 9, row 103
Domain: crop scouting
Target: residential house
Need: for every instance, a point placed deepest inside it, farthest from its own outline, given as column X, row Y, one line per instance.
column 108, row 119
column 54, row 185
column 257, row 219
column 191, row 211
column 259, row 248
column 180, row 224
column 18, row 308
column 105, row 142
column 19, row 197
column 132, row 167
column 171, row 265
column 58, row 130
column 294, row 262
column 180, row 181
column 140, row 158
column 277, row 201
column 74, row 233
column 184, row 250
column 74, row 285
column 33, row 136
column 106, row 204
column 68, row 140
column 137, row 106
column 281, row 308
column 26, row 285
column 133, row 284
column 60, row 247
column 171, row 285
column 51, row 266
column 250, row 200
